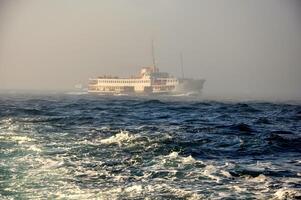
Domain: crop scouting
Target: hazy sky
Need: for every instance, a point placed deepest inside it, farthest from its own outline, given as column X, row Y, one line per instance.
column 243, row 48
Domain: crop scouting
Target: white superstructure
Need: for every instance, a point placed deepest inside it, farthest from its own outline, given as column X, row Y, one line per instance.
column 150, row 80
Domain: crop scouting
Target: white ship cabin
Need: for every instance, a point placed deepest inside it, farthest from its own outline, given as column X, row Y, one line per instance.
column 150, row 80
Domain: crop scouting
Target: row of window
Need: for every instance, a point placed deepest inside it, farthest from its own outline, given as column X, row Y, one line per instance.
column 123, row 81
column 163, row 87
column 110, row 88
column 171, row 80
column 134, row 81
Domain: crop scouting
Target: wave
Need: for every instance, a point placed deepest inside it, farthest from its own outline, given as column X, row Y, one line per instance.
column 287, row 193
column 285, row 139
column 73, row 147
column 151, row 102
column 119, row 138
column 77, row 93
column 242, row 127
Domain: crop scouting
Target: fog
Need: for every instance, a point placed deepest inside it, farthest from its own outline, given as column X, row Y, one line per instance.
column 244, row 49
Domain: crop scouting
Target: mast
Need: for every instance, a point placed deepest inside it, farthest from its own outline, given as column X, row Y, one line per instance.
column 182, row 65
column 153, row 56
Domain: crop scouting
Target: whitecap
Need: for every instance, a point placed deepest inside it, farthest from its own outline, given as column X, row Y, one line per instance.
column 258, row 179
column 34, row 148
column 173, row 155
column 178, row 192
column 16, row 138
column 226, row 174
column 134, row 189
column 123, row 136
column 209, row 171
column 239, row 189
column 188, row 160
column 286, row 193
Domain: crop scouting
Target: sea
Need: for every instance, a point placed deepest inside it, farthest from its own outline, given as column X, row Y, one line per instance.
column 64, row 146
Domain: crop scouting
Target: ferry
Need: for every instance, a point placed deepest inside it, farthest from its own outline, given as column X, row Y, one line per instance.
column 149, row 81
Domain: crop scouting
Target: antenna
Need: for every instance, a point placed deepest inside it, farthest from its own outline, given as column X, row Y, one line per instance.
column 182, row 65
column 153, row 56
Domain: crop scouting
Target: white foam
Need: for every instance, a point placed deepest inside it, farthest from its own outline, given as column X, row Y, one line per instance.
column 258, row 179
column 239, row 189
column 226, row 174
column 179, row 192
column 16, row 138
column 46, row 163
column 34, row 148
column 185, row 160
column 286, row 193
column 188, row 160
column 123, row 136
column 195, row 196
column 209, row 171
column 173, row 155
column 134, row 189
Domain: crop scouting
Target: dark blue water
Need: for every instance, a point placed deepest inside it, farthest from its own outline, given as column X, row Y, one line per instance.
column 93, row 147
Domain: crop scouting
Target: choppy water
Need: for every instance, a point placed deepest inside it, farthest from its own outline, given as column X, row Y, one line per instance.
column 83, row 147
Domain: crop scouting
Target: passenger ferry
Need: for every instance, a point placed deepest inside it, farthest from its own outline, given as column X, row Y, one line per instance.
column 149, row 81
